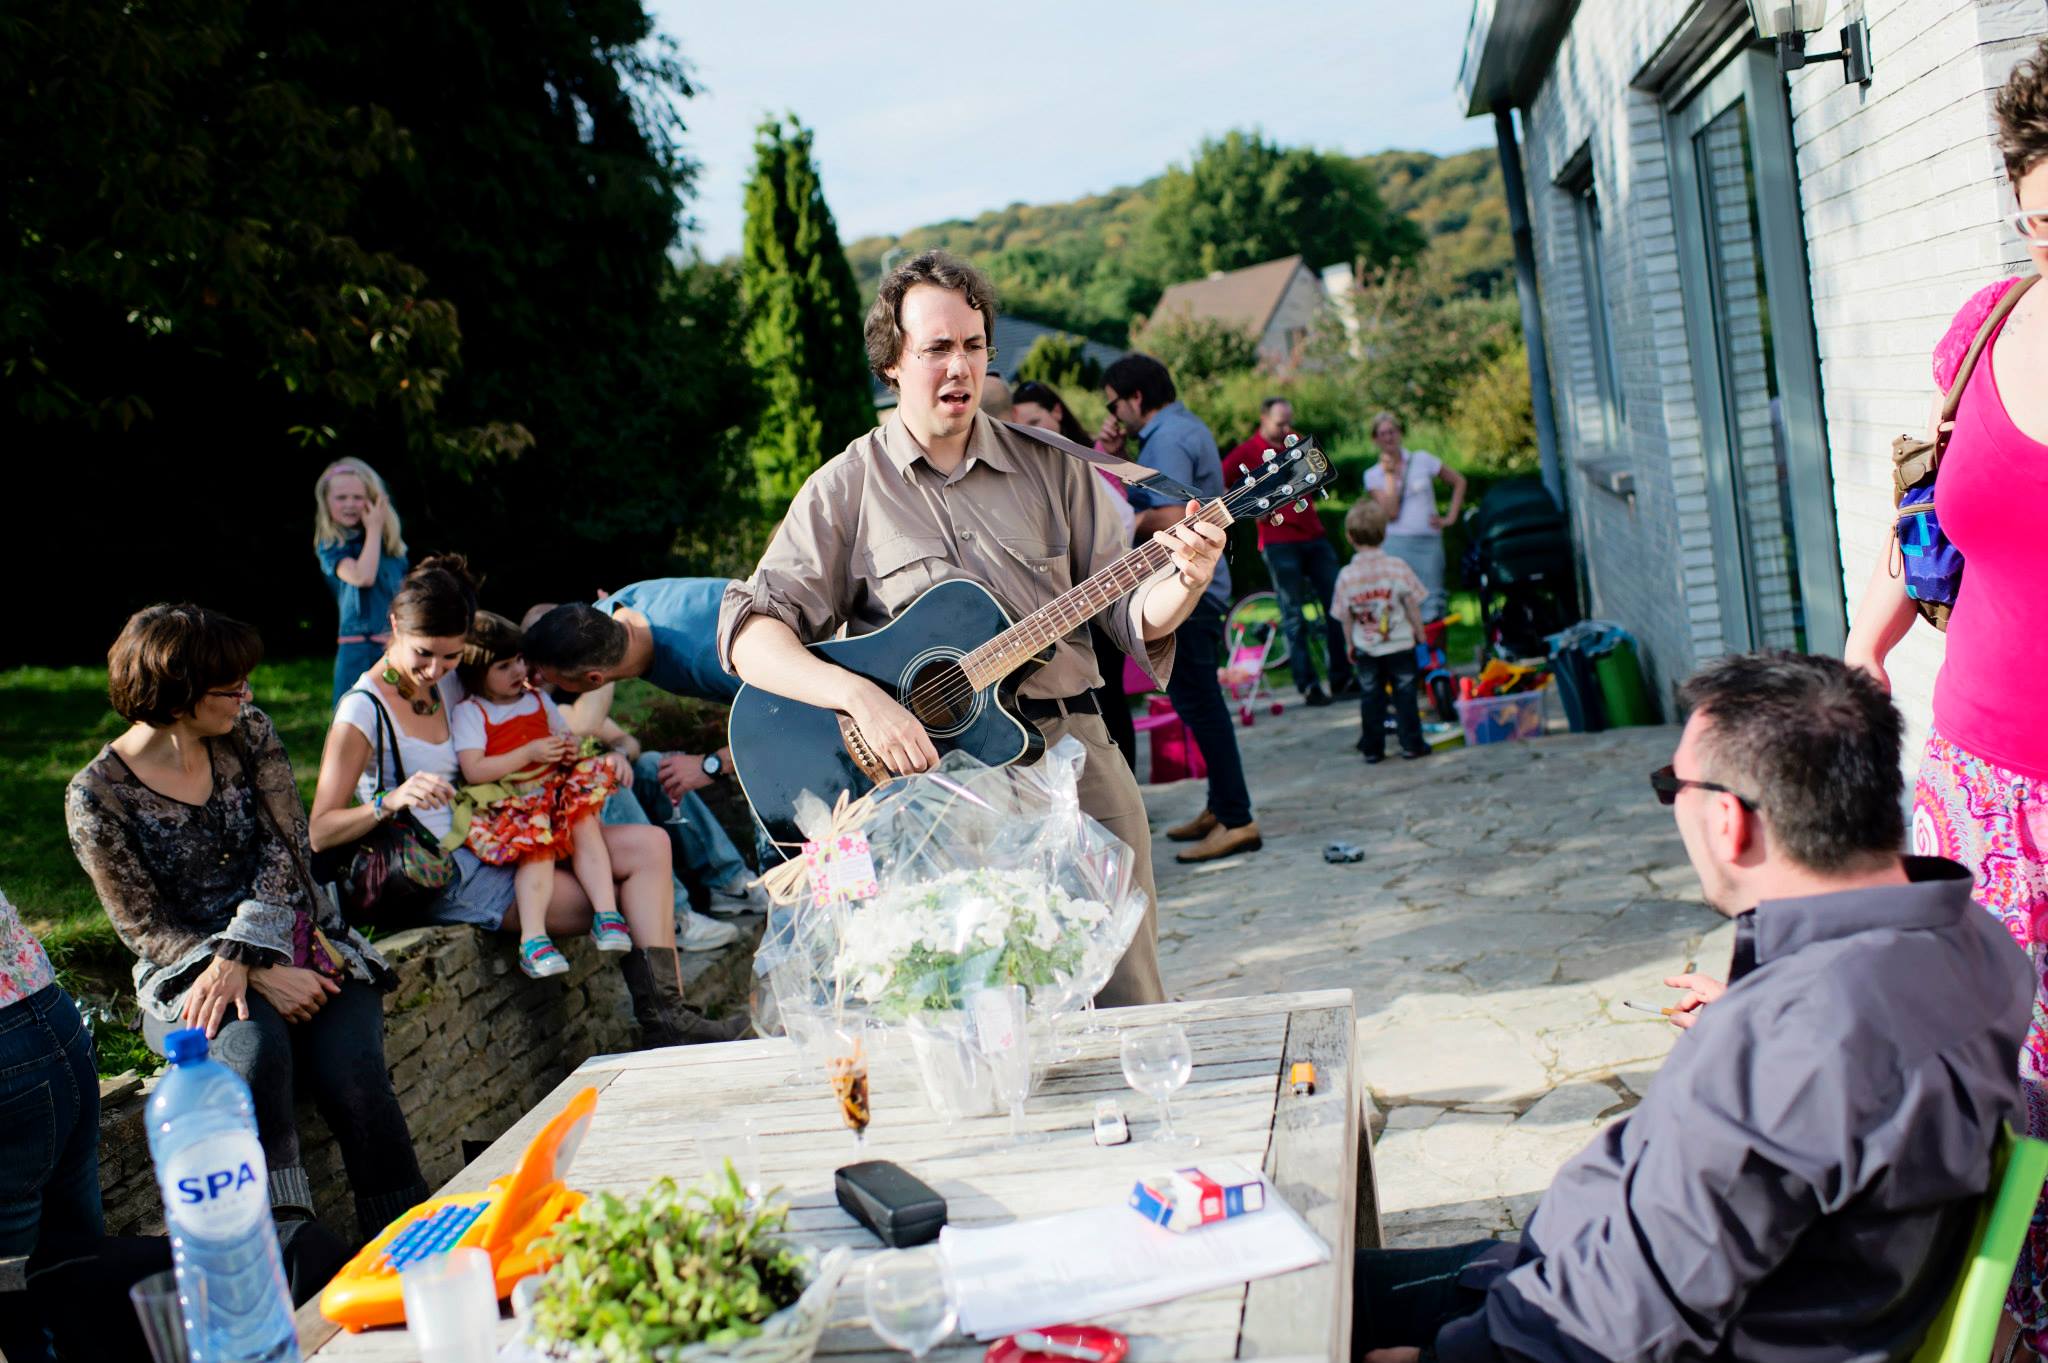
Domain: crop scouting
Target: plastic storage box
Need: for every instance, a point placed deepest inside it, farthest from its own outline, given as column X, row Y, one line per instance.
column 1501, row 719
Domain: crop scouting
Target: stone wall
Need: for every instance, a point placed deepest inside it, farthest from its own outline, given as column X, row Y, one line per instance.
column 472, row 1044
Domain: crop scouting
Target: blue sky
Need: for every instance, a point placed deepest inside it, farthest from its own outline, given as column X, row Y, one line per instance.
column 965, row 108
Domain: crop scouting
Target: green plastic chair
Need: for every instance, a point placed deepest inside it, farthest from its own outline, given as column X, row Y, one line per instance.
column 1963, row 1332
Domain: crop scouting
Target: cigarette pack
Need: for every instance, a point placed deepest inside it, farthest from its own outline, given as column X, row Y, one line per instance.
column 1197, row 1196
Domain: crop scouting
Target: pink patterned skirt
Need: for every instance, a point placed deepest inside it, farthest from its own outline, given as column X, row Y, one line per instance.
column 1995, row 822
column 537, row 823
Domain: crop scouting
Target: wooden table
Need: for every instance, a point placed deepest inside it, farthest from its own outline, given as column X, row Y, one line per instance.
column 1238, row 1102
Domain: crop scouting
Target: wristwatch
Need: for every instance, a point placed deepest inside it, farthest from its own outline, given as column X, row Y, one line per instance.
column 713, row 767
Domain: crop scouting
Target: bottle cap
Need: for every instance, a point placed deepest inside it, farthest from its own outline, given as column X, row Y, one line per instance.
column 185, row 1045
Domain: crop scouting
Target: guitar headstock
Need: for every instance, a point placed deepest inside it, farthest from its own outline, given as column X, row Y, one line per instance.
column 1290, row 475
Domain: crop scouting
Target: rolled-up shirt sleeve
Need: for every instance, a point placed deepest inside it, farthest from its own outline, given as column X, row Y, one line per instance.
column 803, row 577
column 1098, row 541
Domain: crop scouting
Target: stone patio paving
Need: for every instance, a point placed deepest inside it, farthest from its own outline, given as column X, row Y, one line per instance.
column 1511, row 897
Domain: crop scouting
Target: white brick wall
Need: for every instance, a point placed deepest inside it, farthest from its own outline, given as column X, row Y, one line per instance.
column 1900, row 190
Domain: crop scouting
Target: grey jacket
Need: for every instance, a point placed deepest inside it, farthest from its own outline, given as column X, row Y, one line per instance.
column 1800, row 1181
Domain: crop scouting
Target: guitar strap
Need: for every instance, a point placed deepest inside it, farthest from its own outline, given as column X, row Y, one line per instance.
column 1122, row 469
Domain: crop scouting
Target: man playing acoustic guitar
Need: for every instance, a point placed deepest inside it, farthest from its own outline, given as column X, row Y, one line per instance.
column 940, row 491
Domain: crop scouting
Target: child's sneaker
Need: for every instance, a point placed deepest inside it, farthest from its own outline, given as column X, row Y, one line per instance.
column 609, row 931
column 540, row 958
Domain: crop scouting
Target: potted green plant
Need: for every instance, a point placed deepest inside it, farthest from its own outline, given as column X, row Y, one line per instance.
column 679, row 1276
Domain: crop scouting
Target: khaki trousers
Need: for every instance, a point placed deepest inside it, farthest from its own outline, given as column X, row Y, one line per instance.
column 1109, row 795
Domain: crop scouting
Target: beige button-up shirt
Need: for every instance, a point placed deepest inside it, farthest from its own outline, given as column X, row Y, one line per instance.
column 877, row 525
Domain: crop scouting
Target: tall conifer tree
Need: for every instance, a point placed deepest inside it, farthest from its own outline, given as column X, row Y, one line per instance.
column 803, row 337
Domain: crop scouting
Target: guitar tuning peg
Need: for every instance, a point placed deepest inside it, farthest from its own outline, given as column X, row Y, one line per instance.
column 1277, row 517
column 1272, row 456
column 1292, row 441
column 1301, row 505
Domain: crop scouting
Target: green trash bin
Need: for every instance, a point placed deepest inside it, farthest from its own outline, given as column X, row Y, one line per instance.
column 1621, row 686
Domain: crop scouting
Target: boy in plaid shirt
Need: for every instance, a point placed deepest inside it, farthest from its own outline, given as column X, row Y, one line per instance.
column 1376, row 601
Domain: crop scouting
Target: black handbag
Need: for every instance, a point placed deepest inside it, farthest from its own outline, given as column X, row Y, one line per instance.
column 386, row 876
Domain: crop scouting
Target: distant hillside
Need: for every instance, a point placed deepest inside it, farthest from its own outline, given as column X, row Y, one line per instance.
column 1070, row 264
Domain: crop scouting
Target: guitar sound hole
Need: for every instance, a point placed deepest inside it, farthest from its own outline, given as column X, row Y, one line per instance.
column 941, row 696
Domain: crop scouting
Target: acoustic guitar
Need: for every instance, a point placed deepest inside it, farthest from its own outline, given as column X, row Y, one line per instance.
column 954, row 658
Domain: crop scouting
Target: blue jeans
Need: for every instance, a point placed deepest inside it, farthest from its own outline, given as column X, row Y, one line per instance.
column 703, row 852
column 1302, row 572
column 49, row 1146
column 1198, row 700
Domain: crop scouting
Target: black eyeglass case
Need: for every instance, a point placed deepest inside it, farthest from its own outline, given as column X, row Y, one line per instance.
column 897, row 1206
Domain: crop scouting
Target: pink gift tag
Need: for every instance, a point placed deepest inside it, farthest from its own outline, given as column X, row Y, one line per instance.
column 842, row 868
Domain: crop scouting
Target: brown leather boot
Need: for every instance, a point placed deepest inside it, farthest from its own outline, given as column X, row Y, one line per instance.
column 1197, row 827
column 1224, row 842
column 654, row 978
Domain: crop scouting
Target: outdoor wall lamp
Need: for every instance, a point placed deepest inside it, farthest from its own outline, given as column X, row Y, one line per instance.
column 1787, row 22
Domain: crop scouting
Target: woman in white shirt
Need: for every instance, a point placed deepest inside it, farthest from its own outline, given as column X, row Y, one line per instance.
column 414, row 684
column 1404, row 482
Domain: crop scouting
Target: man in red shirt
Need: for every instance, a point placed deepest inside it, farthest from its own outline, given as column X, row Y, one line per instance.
column 1300, row 559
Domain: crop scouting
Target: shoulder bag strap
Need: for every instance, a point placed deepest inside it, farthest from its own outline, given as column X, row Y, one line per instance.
column 1999, row 313
column 1124, row 469
column 385, row 723
column 280, row 828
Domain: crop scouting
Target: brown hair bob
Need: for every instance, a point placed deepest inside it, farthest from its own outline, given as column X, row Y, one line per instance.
column 492, row 639
column 167, row 657
column 2022, row 111
column 884, row 326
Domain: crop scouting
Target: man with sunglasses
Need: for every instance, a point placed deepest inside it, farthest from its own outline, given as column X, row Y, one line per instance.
column 1803, row 1176
column 940, row 491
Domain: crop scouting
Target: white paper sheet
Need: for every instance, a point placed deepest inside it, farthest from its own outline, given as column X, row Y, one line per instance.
column 1087, row 1264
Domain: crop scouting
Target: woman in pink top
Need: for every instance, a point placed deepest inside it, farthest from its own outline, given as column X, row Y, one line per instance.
column 1982, row 795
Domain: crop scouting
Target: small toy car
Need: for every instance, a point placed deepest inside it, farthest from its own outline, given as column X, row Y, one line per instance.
column 1110, row 1126
column 1342, row 852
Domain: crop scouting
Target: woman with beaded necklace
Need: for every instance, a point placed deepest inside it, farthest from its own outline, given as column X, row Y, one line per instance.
column 413, row 684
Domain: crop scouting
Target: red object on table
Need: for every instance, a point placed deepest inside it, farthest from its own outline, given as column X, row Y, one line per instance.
column 1111, row 1345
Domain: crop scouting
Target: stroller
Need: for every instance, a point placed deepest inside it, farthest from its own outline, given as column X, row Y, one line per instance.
column 1519, row 555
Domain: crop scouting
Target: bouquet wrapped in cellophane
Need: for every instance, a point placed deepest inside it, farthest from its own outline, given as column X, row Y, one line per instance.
column 983, row 877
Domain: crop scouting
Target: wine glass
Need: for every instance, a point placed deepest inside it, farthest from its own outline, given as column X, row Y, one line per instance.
column 910, row 1303
column 1157, row 1061
column 1002, row 1030
column 847, row 1069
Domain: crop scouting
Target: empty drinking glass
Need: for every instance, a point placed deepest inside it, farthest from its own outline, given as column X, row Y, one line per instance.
column 451, row 1307
column 1002, row 1030
column 1157, row 1061
column 738, row 1140
column 166, row 1313
column 910, row 1302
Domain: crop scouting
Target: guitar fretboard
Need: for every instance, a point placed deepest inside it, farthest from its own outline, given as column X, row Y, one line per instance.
column 1065, row 613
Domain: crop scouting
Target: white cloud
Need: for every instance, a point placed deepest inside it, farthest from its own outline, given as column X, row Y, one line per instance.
column 963, row 109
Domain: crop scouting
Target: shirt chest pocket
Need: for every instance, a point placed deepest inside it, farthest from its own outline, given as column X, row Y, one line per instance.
column 1047, row 562
column 902, row 567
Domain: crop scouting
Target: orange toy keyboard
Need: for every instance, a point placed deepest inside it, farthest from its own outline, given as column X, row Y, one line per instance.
column 505, row 1220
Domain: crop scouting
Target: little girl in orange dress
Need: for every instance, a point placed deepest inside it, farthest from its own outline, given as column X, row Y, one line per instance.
column 513, row 740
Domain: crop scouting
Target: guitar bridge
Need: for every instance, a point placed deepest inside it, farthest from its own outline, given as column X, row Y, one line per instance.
column 857, row 748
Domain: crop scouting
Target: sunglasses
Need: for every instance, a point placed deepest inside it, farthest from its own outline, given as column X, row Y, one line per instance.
column 2031, row 224
column 1667, row 783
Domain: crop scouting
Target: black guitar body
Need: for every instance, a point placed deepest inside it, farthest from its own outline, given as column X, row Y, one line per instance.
column 782, row 747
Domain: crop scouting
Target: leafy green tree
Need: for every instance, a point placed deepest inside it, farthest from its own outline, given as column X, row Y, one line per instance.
column 178, row 192
column 803, row 333
column 1197, row 348
column 1243, row 200
column 1493, row 419
column 235, row 231
column 1062, row 361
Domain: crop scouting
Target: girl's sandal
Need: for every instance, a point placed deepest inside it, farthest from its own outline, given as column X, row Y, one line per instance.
column 609, row 930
